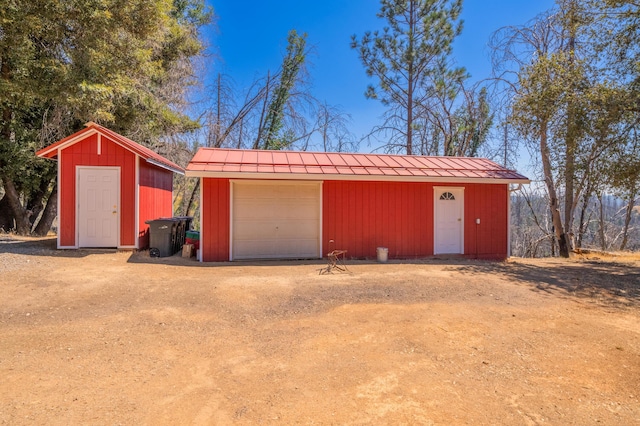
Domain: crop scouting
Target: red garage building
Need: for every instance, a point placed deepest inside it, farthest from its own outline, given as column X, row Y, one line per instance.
column 283, row 204
column 108, row 186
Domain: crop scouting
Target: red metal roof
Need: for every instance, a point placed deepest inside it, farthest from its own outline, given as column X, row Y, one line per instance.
column 145, row 153
column 255, row 164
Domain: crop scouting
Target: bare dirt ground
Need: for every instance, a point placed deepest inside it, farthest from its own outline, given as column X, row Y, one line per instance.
column 106, row 337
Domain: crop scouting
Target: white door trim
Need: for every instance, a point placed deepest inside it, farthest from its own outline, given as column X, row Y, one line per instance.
column 136, row 244
column 232, row 185
column 321, row 195
column 202, row 221
column 60, row 186
column 118, row 196
column 508, row 221
column 458, row 192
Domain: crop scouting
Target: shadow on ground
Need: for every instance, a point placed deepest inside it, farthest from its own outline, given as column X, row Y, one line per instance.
column 610, row 283
column 605, row 282
column 44, row 247
column 143, row 257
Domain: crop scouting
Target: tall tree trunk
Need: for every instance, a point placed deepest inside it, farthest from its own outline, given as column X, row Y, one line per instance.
column 256, row 144
column 410, row 79
column 571, row 135
column 570, row 170
column 601, row 230
column 563, row 244
column 239, row 143
column 218, row 112
column 6, row 215
column 583, row 212
column 48, row 215
column 410, row 117
column 627, row 218
column 190, row 200
column 36, row 204
column 20, row 214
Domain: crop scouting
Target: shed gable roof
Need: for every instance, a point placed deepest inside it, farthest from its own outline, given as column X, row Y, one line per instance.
column 259, row 164
column 91, row 128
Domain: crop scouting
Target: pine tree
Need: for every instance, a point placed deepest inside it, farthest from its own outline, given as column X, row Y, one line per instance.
column 406, row 57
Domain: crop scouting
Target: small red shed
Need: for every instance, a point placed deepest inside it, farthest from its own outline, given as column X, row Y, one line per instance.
column 285, row 204
column 108, row 186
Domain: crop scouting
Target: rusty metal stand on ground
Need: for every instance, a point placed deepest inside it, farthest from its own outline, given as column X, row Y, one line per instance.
column 335, row 260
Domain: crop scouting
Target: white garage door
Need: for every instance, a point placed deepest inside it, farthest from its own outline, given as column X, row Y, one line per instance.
column 276, row 220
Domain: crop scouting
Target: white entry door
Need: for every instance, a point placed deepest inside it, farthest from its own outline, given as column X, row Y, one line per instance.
column 276, row 220
column 98, row 206
column 448, row 220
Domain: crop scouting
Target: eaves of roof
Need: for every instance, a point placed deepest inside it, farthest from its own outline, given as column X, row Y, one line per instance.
column 294, row 165
column 91, row 128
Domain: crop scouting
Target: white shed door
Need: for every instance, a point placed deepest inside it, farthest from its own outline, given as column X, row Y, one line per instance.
column 98, row 199
column 276, row 220
column 449, row 220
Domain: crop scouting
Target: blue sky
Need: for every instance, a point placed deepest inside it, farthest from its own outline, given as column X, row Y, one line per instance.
column 251, row 38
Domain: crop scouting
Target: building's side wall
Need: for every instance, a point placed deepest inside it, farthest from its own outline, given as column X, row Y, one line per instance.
column 215, row 220
column 488, row 240
column 156, row 198
column 361, row 216
column 85, row 153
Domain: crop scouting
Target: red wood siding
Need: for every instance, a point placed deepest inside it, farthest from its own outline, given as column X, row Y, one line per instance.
column 156, row 198
column 215, row 227
column 488, row 240
column 361, row 216
column 85, row 153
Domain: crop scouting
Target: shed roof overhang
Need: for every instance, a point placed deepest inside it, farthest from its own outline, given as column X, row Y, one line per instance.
column 294, row 165
column 91, row 128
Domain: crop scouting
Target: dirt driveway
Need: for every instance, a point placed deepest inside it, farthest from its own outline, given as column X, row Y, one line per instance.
column 105, row 337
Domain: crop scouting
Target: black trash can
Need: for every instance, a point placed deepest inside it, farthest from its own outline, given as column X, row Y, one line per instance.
column 163, row 236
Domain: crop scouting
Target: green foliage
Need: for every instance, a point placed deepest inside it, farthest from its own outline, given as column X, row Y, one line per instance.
column 622, row 174
column 600, row 110
column 472, row 122
column 292, row 64
column 100, row 60
column 543, row 92
column 616, row 36
column 408, row 56
column 575, row 100
column 124, row 64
